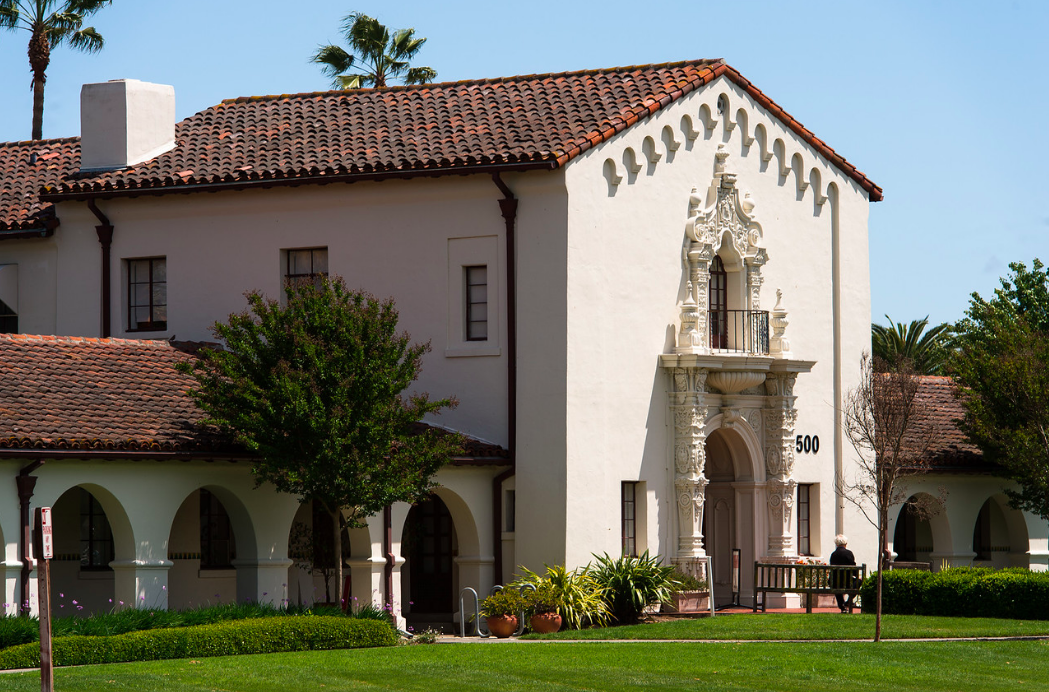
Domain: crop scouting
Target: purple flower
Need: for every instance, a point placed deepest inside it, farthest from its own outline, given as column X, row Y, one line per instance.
column 121, row 603
column 61, row 595
column 265, row 593
column 111, row 600
column 80, row 607
column 164, row 588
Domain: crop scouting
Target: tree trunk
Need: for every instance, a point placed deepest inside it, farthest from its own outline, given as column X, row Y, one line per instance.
column 39, row 58
column 883, row 546
column 335, row 517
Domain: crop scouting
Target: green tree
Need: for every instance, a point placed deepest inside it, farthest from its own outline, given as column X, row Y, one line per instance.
column 315, row 387
column 925, row 351
column 375, row 56
column 50, row 23
column 1002, row 368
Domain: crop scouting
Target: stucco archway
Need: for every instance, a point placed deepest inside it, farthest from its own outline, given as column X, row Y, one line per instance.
column 203, row 542
column 1000, row 537
column 92, row 532
column 921, row 539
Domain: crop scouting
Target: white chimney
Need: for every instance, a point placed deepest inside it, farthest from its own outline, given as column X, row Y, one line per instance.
column 124, row 122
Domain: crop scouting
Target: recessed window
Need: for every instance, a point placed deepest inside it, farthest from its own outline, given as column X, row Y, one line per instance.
column 804, row 509
column 629, row 503
column 216, row 534
column 9, row 298
column 147, row 295
column 309, row 265
column 96, row 538
column 476, row 303
column 510, row 509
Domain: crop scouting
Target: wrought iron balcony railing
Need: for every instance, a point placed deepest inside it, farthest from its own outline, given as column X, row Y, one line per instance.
column 739, row 331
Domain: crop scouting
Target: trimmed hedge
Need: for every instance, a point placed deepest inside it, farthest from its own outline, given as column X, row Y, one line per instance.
column 1015, row 593
column 256, row 636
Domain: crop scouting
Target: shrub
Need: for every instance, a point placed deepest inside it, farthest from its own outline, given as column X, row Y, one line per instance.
column 508, row 601
column 688, row 582
column 582, row 598
column 966, row 591
column 632, row 583
column 17, row 630
column 544, row 598
column 252, row 636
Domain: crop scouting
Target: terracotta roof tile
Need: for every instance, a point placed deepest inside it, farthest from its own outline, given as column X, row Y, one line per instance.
column 950, row 449
column 435, row 129
column 90, row 394
column 26, row 168
column 98, row 394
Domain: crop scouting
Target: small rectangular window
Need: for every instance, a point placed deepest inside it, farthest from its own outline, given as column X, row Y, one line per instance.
column 476, row 303
column 804, row 505
column 510, row 510
column 629, row 503
column 8, row 298
column 147, row 295
column 306, row 265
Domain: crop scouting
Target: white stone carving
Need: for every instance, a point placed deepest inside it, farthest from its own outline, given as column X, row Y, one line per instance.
column 779, row 346
column 734, row 381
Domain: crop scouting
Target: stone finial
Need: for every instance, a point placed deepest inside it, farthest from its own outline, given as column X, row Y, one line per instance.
column 779, row 346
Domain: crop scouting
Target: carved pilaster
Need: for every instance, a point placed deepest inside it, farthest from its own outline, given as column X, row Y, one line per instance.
column 754, row 278
column 689, row 411
column 780, row 418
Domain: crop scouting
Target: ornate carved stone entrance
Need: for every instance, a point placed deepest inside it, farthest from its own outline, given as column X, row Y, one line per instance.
column 741, row 378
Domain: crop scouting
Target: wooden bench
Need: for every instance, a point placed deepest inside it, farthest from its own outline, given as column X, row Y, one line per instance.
column 815, row 580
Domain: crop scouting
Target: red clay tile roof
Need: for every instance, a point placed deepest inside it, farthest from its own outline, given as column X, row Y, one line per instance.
column 25, row 169
column 949, row 450
column 115, row 395
column 98, row 394
column 515, row 123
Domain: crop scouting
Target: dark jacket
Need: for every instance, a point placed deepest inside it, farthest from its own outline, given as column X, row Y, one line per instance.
column 842, row 556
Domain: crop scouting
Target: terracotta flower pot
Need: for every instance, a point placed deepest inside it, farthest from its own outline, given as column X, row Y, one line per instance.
column 502, row 626
column 545, row 623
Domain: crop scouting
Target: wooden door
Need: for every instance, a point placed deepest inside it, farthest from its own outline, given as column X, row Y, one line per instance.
column 430, row 535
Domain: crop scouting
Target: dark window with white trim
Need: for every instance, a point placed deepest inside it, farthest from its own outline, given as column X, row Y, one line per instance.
column 8, row 319
column 308, row 265
column 216, row 535
column 629, row 503
column 476, row 303
column 96, row 538
column 147, row 294
column 804, row 508
column 510, row 509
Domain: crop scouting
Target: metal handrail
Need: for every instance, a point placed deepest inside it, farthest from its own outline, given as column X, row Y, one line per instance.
column 739, row 331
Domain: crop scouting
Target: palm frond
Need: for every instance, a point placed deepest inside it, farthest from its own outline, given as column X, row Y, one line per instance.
column 334, row 60
column 420, row 75
column 9, row 14
column 87, row 40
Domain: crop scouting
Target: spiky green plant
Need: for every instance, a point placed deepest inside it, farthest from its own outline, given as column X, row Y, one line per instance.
column 582, row 598
column 633, row 582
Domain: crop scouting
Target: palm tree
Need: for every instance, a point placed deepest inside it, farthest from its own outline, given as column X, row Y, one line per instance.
column 927, row 352
column 49, row 27
column 378, row 55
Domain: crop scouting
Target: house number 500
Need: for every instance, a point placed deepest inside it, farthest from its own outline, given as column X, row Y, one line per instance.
column 808, row 443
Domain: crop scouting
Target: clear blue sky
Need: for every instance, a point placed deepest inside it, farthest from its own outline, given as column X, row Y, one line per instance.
column 944, row 104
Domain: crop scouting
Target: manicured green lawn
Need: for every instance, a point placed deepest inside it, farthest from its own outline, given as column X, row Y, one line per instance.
column 813, row 626
column 808, row 667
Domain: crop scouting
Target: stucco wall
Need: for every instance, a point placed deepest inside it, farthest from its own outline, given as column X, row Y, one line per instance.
column 37, row 282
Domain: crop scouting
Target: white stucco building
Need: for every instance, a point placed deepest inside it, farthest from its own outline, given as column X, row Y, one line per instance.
column 648, row 287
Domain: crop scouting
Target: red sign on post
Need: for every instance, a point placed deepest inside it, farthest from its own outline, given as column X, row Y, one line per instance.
column 46, row 535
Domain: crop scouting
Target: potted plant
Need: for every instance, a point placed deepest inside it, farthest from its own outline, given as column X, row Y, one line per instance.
column 692, row 595
column 500, row 611
column 543, row 604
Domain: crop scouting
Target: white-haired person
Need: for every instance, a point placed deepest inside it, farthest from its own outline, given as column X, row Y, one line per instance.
column 843, row 556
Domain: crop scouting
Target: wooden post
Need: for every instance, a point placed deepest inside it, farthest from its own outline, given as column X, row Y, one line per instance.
column 44, row 549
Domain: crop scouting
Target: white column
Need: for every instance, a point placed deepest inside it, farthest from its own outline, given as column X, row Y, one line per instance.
column 141, row 583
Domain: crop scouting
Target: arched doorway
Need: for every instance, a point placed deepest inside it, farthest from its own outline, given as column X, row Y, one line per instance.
column 430, row 546
column 82, row 580
column 719, row 517
column 202, row 548
column 922, row 535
